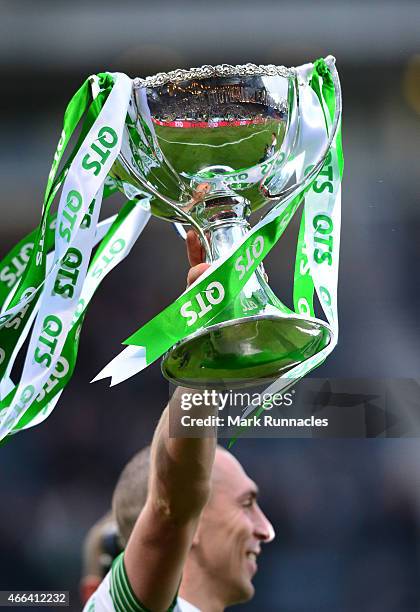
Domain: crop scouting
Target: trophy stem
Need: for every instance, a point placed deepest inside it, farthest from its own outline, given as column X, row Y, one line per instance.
column 222, row 238
column 224, row 221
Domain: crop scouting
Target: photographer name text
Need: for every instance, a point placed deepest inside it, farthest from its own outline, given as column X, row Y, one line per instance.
column 265, row 420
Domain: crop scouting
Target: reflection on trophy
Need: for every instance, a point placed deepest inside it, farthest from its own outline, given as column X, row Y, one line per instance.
column 212, row 145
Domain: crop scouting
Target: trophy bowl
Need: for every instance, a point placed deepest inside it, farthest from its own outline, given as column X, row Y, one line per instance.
column 210, row 146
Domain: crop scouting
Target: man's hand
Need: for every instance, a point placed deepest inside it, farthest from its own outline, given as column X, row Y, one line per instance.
column 196, row 257
column 179, row 487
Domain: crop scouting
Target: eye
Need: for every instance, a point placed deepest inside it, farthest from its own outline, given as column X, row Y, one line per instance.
column 248, row 503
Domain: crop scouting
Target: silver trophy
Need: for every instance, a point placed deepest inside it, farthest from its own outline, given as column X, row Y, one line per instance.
column 211, row 146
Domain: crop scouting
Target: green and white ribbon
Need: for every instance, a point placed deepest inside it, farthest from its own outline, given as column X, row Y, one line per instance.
column 12, row 268
column 121, row 232
column 317, row 256
column 61, row 287
column 115, row 246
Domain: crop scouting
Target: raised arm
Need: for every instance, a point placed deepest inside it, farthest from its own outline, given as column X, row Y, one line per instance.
column 179, row 487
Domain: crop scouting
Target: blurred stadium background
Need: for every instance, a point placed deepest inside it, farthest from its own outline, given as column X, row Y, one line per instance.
column 346, row 512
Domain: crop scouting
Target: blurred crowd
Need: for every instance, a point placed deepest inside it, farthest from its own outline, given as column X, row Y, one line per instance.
column 203, row 108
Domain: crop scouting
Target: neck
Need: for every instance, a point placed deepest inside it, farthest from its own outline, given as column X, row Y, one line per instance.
column 199, row 591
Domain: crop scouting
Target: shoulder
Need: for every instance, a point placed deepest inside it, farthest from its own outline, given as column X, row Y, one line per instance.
column 115, row 594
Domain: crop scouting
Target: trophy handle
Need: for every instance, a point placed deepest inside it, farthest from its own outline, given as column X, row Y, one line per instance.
column 177, row 209
column 330, row 60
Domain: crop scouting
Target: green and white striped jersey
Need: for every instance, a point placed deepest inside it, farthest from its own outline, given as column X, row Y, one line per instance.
column 115, row 594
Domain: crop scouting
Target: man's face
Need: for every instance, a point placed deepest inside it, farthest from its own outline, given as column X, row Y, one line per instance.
column 231, row 530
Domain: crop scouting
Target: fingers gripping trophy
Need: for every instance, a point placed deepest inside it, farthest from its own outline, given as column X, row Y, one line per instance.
column 205, row 148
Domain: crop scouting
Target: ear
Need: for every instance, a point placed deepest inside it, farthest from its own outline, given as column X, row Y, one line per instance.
column 197, row 535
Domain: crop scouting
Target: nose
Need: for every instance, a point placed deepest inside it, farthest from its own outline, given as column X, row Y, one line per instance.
column 263, row 529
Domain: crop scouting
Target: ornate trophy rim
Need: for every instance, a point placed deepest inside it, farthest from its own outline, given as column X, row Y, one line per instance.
column 208, row 71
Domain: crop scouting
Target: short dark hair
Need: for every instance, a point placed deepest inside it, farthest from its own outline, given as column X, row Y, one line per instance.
column 130, row 494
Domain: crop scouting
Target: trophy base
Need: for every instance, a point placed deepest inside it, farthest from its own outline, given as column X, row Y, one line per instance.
column 243, row 352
